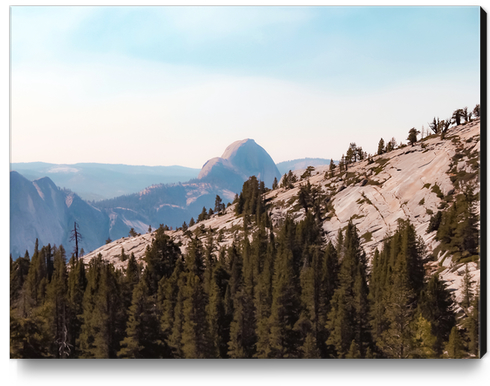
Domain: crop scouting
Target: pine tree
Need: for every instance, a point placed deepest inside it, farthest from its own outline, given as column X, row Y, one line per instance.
column 329, row 282
column 307, row 324
column 263, row 300
column 354, row 352
column 27, row 339
column 77, row 282
column 142, row 332
column 58, row 308
column 436, row 306
column 160, row 259
column 476, row 111
column 175, row 338
column 194, row 328
column 378, row 292
column 454, row 347
column 381, row 146
column 472, row 324
column 412, row 135
column 242, row 328
column 215, row 314
column 167, row 299
column 275, row 184
column 423, row 341
column 36, row 280
column 283, row 339
column 395, row 341
column 18, row 274
column 348, row 316
column 457, row 115
column 331, row 168
column 467, row 292
column 133, row 273
column 103, row 312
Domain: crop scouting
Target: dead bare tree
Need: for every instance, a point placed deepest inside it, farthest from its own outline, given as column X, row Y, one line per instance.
column 77, row 237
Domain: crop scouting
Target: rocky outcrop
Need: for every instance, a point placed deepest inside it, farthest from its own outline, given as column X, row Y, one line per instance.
column 407, row 183
column 40, row 210
column 239, row 161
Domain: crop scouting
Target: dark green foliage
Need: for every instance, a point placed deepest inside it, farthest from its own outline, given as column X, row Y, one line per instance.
column 412, row 135
column 57, row 308
column 436, row 306
column 203, row 215
column 251, row 199
column 194, row 328
column 397, row 277
column 476, row 111
column 175, row 329
column 283, row 339
column 160, row 258
column 472, row 324
column 103, row 312
column 434, row 222
column 288, row 180
column 391, row 145
column 437, row 190
column 454, row 347
column 142, row 332
column 275, row 184
column 26, row 337
column 18, row 273
column 37, row 278
column 381, row 146
column 331, row 168
column 348, row 318
column 423, row 341
column 395, row 341
column 273, row 293
column 219, row 206
column 458, row 230
column 309, row 197
column 263, row 298
column 457, row 115
column 444, row 127
column 216, row 317
column 307, row 172
column 467, row 291
column 435, row 125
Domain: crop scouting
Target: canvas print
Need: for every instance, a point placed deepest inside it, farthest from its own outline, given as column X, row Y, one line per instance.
column 246, row 182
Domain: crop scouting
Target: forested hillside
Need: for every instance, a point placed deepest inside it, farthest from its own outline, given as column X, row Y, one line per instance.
column 376, row 257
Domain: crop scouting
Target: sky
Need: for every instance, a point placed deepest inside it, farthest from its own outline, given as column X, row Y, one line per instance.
column 177, row 85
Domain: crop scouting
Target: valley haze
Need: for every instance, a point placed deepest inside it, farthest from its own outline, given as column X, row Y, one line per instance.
column 148, row 196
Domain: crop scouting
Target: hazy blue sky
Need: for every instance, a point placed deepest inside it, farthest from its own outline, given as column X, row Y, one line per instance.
column 176, row 85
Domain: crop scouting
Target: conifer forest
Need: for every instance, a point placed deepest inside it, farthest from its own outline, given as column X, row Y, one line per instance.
column 274, row 292
column 246, row 182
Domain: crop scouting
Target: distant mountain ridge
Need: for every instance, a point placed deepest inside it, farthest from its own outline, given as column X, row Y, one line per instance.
column 52, row 211
column 40, row 210
column 95, row 181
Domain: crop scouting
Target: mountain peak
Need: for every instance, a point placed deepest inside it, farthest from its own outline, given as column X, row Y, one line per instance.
column 240, row 160
column 233, row 148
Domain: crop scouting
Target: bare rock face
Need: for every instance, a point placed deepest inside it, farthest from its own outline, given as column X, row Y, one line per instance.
column 39, row 210
column 239, row 161
column 400, row 185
